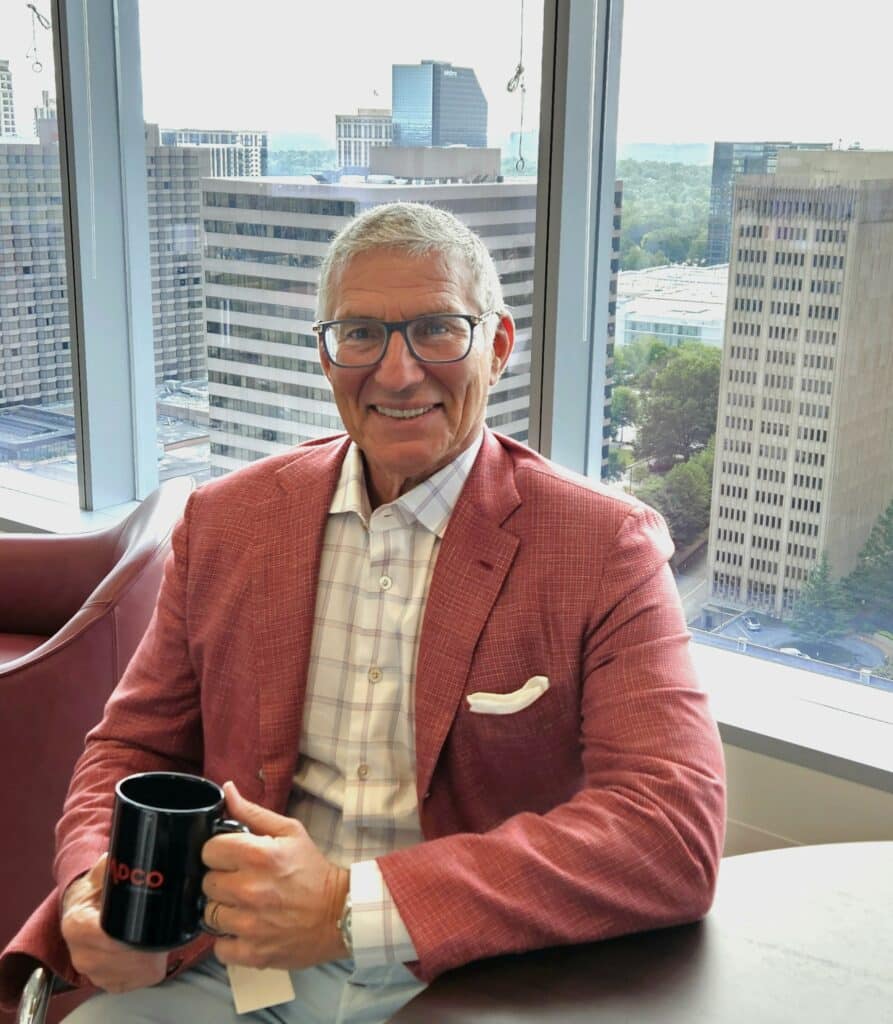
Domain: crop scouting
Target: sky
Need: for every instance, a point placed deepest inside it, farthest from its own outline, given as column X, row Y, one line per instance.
column 691, row 70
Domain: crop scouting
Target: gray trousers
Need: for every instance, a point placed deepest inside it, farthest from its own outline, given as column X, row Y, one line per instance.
column 333, row 993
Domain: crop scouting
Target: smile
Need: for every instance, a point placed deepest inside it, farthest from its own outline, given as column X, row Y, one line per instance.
column 402, row 414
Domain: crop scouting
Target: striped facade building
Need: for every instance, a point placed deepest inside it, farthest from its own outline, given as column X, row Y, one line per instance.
column 805, row 420
column 264, row 242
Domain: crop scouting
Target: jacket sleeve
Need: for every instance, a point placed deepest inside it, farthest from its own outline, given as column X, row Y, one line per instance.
column 638, row 844
column 151, row 721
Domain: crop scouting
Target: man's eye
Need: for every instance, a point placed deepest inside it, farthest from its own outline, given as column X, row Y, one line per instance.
column 357, row 334
column 432, row 328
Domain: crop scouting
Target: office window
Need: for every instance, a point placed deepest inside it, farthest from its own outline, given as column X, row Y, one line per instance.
column 251, row 231
column 37, row 420
column 718, row 185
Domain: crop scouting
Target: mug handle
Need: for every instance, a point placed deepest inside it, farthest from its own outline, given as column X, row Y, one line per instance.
column 221, row 827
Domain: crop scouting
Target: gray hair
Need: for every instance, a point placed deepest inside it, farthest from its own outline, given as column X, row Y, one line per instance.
column 418, row 229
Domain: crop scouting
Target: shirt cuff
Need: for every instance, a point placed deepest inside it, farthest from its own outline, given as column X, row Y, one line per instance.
column 378, row 932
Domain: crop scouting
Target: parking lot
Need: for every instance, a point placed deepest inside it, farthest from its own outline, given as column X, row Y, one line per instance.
column 776, row 635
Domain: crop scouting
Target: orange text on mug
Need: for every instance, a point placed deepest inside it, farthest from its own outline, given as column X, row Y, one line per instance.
column 119, row 872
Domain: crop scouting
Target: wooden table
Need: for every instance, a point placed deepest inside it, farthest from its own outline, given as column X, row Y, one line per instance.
column 796, row 935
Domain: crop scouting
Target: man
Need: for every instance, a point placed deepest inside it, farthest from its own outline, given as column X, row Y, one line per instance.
column 450, row 683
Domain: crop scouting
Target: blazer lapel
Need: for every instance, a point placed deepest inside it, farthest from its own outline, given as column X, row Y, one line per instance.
column 475, row 556
column 284, row 579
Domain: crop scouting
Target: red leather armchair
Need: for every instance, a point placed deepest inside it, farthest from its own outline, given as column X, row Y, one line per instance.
column 72, row 611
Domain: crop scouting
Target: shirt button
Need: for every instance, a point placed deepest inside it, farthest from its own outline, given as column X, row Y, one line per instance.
column 374, row 675
column 385, row 582
column 363, row 771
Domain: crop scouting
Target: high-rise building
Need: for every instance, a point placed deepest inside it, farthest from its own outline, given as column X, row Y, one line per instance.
column 45, row 122
column 264, row 243
column 356, row 134
column 35, row 360
column 233, row 154
column 805, row 421
column 7, row 103
column 731, row 159
column 436, row 104
column 173, row 185
column 35, row 357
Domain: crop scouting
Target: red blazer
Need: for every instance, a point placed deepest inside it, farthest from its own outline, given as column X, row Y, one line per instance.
column 597, row 810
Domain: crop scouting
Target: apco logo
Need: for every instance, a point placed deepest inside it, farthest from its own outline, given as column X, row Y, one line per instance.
column 119, row 872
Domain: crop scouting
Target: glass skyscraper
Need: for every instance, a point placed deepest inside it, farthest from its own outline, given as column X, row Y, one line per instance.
column 436, row 104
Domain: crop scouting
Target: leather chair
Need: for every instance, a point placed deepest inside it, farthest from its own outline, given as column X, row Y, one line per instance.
column 72, row 611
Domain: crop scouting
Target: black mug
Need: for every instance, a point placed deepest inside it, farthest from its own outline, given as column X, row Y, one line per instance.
column 152, row 896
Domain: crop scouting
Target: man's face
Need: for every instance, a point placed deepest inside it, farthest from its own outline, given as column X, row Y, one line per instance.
column 451, row 399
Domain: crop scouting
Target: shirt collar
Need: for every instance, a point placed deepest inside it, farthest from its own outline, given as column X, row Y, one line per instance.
column 430, row 503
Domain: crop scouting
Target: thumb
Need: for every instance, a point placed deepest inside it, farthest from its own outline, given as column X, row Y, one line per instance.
column 261, row 820
column 96, row 874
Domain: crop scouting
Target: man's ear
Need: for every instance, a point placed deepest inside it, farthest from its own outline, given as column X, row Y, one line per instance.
column 503, row 343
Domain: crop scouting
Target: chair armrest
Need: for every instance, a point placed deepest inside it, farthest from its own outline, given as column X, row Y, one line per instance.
column 47, row 578
column 35, row 997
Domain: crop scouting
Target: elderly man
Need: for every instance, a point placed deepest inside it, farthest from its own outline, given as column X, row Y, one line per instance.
column 450, row 684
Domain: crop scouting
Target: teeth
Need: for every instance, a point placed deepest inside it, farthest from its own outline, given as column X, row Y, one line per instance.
column 403, row 414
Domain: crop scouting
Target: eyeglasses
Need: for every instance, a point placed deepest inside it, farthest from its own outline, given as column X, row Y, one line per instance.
column 436, row 338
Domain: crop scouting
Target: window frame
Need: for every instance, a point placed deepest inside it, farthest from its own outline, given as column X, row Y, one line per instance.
column 99, row 94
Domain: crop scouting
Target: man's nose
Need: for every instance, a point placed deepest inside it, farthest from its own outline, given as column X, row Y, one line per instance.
column 398, row 369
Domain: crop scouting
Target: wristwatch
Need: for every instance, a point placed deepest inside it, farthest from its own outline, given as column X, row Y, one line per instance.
column 345, row 924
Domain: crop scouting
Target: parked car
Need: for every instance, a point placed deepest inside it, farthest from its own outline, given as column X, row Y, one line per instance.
column 752, row 624
column 794, row 651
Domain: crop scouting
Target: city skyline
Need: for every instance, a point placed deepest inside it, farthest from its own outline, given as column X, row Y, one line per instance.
column 681, row 80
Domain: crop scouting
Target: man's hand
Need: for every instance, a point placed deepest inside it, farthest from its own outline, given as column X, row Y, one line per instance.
column 107, row 963
column 273, row 893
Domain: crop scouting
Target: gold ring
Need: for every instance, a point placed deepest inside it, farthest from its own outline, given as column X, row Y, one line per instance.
column 212, row 917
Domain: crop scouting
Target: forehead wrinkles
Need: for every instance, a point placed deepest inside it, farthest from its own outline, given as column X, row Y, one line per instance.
column 384, row 285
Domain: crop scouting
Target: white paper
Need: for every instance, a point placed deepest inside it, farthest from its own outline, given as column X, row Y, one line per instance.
column 256, row 989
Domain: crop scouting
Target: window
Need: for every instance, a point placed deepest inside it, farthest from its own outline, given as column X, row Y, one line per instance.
column 702, row 220
column 253, row 229
column 37, row 420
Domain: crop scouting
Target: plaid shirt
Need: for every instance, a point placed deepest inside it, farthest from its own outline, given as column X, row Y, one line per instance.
column 355, row 785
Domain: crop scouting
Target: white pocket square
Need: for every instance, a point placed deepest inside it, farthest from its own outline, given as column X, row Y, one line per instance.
column 508, row 703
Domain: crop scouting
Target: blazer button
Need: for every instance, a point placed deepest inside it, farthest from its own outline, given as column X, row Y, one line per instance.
column 261, row 777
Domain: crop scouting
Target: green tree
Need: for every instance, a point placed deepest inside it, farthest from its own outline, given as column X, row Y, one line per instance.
column 618, row 463
column 665, row 209
column 821, row 608
column 705, row 460
column 636, row 363
column 870, row 584
column 678, row 413
column 685, row 498
column 885, row 671
column 624, row 409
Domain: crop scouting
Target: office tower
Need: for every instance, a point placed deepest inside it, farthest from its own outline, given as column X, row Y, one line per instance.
column 35, row 361
column 264, row 243
column 7, row 104
column 35, row 358
column 731, row 159
column 805, row 421
column 356, row 134
column 436, row 104
column 43, row 115
column 233, row 154
column 173, row 185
